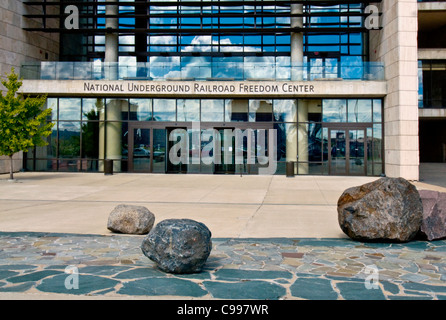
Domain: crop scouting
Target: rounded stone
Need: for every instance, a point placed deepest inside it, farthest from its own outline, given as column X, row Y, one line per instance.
column 388, row 209
column 178, row 245
column 130, row 219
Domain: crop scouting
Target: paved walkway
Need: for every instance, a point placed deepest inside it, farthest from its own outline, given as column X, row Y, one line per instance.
column 273, row 238
column 113, row 267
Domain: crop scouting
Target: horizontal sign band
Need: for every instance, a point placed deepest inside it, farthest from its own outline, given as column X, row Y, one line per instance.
column 206, row 88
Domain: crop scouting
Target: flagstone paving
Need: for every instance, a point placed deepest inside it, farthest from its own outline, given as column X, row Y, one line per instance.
column 282, row 268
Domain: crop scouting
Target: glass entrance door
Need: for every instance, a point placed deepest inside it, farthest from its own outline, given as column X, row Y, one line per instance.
column 225, row 160
column 146, row 149
column 159, row 151
column 348, row 152
column 140, row 150
column 357, row 153
column 177, row 138
column 338, row 152
column 157, row 148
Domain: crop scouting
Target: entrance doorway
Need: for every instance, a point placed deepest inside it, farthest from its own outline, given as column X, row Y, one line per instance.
column 226, row 161
column 151, row 146
column 179, row 135
column 146, row 149
column 348, row 151
column 233, row 154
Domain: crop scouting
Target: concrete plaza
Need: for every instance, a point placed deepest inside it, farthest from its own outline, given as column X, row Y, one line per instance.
column 230, row 205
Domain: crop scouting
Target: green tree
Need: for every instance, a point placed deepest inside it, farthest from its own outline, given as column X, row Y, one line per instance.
column 23, row 122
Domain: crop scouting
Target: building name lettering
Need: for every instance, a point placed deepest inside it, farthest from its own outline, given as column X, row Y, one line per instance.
column 198, row 88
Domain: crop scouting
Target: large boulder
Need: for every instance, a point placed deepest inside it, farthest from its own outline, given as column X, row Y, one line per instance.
column 433, row 226
column 130, row 219
column 178, row 245
column 388, row 209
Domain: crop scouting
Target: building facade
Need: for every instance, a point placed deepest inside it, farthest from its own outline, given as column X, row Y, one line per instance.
column 335, row 87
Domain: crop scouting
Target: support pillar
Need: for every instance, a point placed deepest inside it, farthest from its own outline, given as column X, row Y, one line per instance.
column 111, row 42
column 297, row 56
column 110, row 134
column 396, row 45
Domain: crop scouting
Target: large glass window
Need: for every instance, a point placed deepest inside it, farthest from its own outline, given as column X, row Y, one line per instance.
column 236, row 110
column 212, row 110
column 351, row 110
column 285, row 110
column 164, row 109
column 69, row 109
column 359, row 110
column 334, row 110
column 53, row 104
column 92, row 112
column 90, row 140
column 49, row 151
column 260, row 110
column 90, row 130
column 377, row 110
column 141, row 109
column 69, row 139
column 92, row 109
column 188, row 110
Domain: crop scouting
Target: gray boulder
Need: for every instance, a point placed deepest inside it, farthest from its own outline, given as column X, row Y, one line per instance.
column 178, row 245
column 130, row 219
column 433, row 226
column 388, row 209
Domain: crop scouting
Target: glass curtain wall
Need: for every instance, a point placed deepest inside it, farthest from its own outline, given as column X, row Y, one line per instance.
column 331, row 50
column 89, row 130
column 215, row 33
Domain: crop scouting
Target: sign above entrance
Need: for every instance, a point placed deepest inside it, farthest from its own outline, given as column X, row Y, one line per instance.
column 207, row 89
column 198, row 87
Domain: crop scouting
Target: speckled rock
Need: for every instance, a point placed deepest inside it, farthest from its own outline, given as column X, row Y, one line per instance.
column 388, row 209
column 130, row 219
column 178, row 245
column 433, row 226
